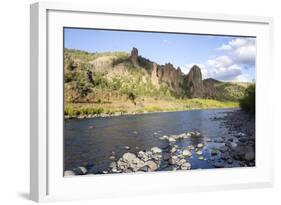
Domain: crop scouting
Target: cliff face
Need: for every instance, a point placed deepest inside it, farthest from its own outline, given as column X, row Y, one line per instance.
column 120, row 73
column 172, row 77
column 190, row 85
column 193, row 83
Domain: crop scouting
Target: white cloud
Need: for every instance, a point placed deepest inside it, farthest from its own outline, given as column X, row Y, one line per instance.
column 224, row 47
column 246, row 54
column 238, row 54
column 221, row 61
column 241, row 50
column 238, row 42
column 227, row 73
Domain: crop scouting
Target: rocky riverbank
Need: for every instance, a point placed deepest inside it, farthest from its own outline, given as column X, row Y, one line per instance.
column 236, row 149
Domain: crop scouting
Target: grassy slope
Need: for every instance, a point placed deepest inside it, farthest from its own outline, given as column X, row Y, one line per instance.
column 110, row 93
column 147, row 105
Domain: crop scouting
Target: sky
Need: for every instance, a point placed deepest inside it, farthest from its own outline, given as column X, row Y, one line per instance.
column 225, row 58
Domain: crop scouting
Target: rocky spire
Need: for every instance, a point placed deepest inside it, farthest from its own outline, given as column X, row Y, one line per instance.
column 194, row 82
column 134, row 56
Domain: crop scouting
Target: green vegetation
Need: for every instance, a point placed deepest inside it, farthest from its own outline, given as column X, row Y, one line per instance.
column 248, row 102
column 155, row 105
column 209, row 103
column 225, row 90
column 109, row 84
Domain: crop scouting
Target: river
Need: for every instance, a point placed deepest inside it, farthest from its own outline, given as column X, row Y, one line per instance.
column 90, row 142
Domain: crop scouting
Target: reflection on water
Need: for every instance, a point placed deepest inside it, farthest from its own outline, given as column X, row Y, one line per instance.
column 90, row 142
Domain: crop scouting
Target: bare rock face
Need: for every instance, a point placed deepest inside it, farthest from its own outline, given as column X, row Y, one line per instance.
column 194, row 83
column 134, row 56
column 172, row 77
column 154, row 76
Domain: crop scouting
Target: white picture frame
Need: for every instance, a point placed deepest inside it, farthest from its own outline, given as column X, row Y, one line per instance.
column 46, row 179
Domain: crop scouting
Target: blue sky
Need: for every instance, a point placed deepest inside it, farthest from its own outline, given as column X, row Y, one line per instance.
column 222, row 57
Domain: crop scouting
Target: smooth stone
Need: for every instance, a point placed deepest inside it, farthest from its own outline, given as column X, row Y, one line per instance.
column 186, row 166
column 69, row 173
column 201, row 157
column 187, row 134
column 126, row 147
column 129, row 156
column 190, row 147
column 152, row 166
column 173, row 150
column 187, row 153
column 182, row 161
column 199, row 152
column 208, row 140
column 112, row 157
column 80, row 170
column 171, row 139
column 200, row 145
column 164, row 137
column 156, row 150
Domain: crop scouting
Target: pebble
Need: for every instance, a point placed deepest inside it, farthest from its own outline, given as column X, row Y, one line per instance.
column 187, row 153
column 69, row 173
column 127, row 147
column 200, row 145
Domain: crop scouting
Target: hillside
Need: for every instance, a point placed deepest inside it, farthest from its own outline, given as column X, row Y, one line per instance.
column 122, row 82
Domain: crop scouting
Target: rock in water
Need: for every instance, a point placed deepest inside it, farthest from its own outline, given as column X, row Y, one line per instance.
column 199, row 152
column 187, row 153
column 129, row 156
column 127, row 147
column 200, row 145
column 80, row 170
column 152, row 166
column 68, row 173
column 156, row 150
column 186, row 166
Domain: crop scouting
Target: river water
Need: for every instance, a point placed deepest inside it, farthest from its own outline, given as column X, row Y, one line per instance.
column 90, row 142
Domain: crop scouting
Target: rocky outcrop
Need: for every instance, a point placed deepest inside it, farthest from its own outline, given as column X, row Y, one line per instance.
column 172, row 77
column 193, row 83
column 134, row 56
column 154, row 76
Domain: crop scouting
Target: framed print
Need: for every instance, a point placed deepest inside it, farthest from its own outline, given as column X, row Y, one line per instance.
column 129, row 101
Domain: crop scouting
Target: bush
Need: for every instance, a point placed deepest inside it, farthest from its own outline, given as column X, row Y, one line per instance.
column 76, row 111
column 248, row 102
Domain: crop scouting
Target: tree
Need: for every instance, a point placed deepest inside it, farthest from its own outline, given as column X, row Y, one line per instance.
column 132, row 97
column 248, row 102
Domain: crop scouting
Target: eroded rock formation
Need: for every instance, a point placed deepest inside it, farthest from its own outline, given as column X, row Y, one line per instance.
column 194, row 83
column 134, row 56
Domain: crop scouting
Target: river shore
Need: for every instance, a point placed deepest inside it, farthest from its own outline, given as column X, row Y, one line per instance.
column 67, row 117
